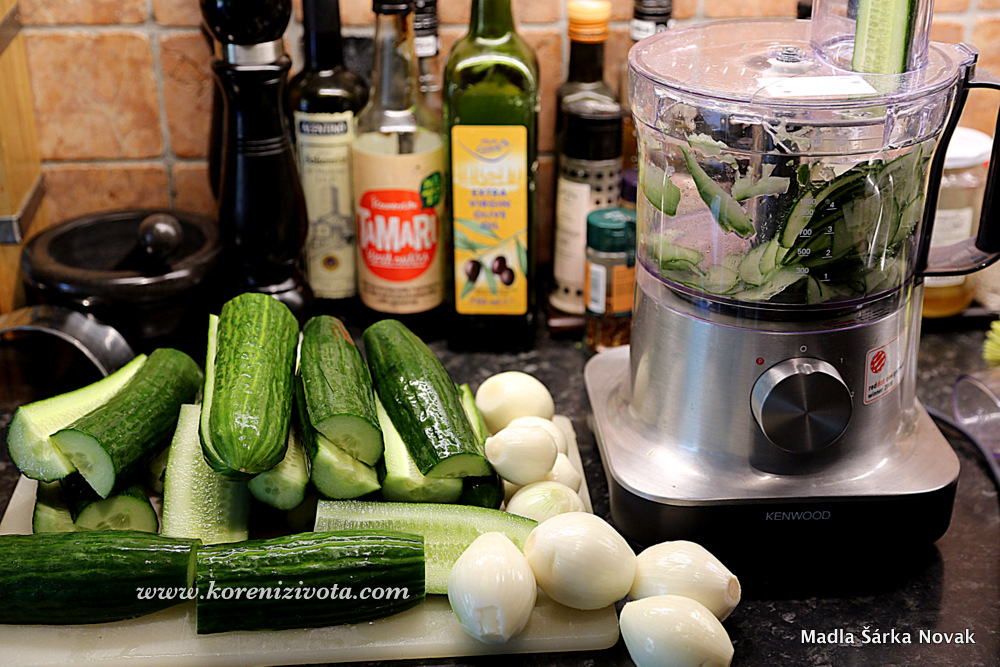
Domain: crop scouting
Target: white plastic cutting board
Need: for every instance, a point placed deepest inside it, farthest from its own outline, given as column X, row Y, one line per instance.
column 168, row 637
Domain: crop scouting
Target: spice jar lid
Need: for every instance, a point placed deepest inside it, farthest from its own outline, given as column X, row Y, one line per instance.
column 611, row 230
column 588, row 20
column 968, row 148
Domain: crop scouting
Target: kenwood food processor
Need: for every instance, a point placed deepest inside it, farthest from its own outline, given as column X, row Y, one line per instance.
column 784, row 222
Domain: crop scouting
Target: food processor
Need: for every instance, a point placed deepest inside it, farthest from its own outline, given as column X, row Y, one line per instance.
column 784, row 218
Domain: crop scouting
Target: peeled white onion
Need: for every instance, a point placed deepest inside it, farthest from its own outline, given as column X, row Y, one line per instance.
column 521, row 454
column 557, row 433
column 580, row 561
column 491, row 589
column 544, row 500
column 674, row 631
column 686, row 569
column 503, row 397
column 565, row 473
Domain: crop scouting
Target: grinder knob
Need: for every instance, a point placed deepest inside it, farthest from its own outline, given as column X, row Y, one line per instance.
column 802, row 405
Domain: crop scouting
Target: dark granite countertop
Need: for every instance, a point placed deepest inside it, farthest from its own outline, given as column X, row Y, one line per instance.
column 950, row 587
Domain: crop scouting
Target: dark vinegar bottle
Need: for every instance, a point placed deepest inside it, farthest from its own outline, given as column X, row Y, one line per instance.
column 325, row 98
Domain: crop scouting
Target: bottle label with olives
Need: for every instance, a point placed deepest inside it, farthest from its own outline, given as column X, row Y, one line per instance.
column 489, row 166
column 400, row 203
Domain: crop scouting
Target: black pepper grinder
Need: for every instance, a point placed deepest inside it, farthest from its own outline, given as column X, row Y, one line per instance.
column 262, row 214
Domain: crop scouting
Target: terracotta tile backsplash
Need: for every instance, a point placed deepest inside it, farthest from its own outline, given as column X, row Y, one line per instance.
column 95, row 94
column 122, row 88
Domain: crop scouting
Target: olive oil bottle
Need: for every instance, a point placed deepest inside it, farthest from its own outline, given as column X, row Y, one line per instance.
column 491, row 119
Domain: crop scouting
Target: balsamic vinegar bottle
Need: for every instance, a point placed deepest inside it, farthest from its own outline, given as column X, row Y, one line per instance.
column 325, row 98
column 262, row 215
column 491, row 114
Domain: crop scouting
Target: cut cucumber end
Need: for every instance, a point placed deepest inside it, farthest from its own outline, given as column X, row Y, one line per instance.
column 461, row 465
column 89, row 457
column 32, row 451
column 120, row 512
column 354, row 435
column 336, row 474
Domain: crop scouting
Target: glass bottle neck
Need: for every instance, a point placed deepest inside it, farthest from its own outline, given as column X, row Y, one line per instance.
column 491, row 18
column 586, row 62
column 323, row 50
column 394, row 72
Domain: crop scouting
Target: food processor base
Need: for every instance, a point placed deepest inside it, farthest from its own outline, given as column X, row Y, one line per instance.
column 657, row 487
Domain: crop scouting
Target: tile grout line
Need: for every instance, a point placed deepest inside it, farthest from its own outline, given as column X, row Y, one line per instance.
column 169, row 158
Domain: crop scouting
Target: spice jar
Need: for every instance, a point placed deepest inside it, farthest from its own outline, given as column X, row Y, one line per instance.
column 610, row 277
column 959, row 204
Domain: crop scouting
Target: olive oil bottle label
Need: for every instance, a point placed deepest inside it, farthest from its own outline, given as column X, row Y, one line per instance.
column 489, row 166
column 400, row 205
column 323, row 147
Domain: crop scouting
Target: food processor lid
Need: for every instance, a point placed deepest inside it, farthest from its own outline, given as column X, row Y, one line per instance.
column 772, row 62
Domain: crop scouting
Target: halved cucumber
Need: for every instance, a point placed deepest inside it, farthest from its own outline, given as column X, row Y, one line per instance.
column 52, row 513
column 334, row 472
column 28, row 438
column 402, row 481
column 447, row 530
column 128, row 510
column 112, row 442
column 197, row 501
column 883, row 35
column 338, row 389
column 284, row 485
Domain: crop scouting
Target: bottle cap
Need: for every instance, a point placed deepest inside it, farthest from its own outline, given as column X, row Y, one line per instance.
column 425, row 17
column 657, row 11
column 592, row 130
column 630, row 185
column 392, row 6
column 588, row 20
column 968, row 148
column 611, row 230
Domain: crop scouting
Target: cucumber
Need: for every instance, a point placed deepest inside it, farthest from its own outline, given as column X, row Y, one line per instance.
column 308, row 580
column 401, row 480
column 808, row 209
column 883, row 36
column 423, row 403
column 447, row 530
column 479, row 491
column 284, row 485
column 92, row 576
column 338, row 389
column 111, row 443
column 52, row 513
column 28, row 438
column 668, row 255
column 726, row 210
column 248, row 404
column 197, row 501
column 154, row 472
column 659, row 189
column 128, row 510
column 334, row 472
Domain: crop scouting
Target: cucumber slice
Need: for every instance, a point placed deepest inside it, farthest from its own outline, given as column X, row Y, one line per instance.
column 338, row 389
column 284, row 486
column 197, row 501
column 726, row 210
column 112, row 442
column 403, row 481
column 334, row 472
column 447, row 530
column 778, row 282
column 883, row 36
column 659, row 189
column 28, row 438
column 750, row 267
column 128, row 510
column 668, row 255
column 52, row 513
